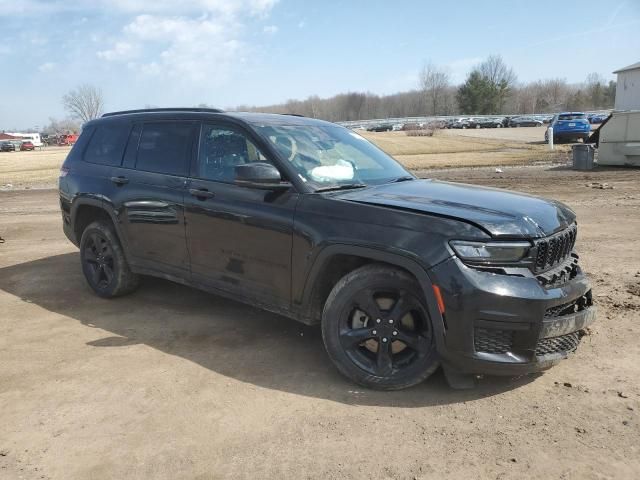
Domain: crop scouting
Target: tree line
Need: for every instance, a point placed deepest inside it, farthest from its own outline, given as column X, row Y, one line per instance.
column 490, row 88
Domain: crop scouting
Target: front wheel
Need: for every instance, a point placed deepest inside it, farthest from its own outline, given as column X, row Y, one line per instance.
column 377, row 330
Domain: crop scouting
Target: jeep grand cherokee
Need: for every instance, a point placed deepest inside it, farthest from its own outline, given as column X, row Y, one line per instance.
column 308, row 219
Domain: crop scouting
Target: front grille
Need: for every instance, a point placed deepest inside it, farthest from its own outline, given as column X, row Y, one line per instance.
column 577, row 305
column 561, row 274
column 493, row 341
column 553, row 250
column 564, row 343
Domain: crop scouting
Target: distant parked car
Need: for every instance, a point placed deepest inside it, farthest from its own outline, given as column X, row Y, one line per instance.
column 385, row 127
column 524, row 122
column 489, row 123
column 569, row 126
column 7, row 147
column 460, row 123
column 26, row 146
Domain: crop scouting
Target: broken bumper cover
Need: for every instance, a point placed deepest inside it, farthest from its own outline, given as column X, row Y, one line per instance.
column 508, row 325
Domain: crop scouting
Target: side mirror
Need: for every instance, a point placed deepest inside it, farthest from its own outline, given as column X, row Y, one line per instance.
column 260, row 175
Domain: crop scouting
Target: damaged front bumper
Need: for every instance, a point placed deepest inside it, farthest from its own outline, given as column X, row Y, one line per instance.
column 500, row 324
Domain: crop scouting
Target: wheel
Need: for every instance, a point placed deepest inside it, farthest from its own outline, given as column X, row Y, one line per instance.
column 377, row 331
column 499, row 125
column 103, row 262
column 477, row 126
column 517, row 125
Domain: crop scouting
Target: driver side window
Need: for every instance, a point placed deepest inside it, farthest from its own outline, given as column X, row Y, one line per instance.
column 221, row 150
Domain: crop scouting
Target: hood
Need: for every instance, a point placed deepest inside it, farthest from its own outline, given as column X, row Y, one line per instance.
column 501, row 213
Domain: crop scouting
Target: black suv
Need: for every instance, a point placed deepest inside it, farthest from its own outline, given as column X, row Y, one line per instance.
column 308, row 219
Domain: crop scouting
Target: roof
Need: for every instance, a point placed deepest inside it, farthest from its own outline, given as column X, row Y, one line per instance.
column 251, row 118
column 5, row 136
column 635, row 66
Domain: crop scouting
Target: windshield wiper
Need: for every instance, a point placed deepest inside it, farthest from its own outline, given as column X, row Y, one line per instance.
column 406, row 178
column 344, row 186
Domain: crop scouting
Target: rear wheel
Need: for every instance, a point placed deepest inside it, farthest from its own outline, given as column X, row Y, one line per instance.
column 377, row 331
column 103, row 262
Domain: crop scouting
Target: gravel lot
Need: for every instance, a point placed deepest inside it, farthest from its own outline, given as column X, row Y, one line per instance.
column 173, row 383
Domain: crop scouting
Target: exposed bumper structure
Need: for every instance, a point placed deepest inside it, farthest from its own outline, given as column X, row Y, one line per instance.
column 508, row 325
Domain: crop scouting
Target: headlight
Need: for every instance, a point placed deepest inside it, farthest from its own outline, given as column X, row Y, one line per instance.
column 490, row 252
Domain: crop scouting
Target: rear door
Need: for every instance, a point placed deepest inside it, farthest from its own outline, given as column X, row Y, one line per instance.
column 239, row 238
column 148, row 194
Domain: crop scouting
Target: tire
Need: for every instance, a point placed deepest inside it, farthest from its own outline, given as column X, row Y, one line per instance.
column 358, row 329
column 103, row 262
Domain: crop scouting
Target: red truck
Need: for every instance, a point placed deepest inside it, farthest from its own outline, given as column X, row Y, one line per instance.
column 67, row 139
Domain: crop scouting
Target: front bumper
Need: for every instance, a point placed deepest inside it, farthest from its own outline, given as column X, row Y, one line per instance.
column 500, row 324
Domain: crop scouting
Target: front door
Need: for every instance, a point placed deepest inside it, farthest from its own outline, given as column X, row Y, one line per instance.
column 239, row 238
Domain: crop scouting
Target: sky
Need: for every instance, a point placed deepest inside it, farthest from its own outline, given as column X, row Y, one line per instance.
column 226, row 53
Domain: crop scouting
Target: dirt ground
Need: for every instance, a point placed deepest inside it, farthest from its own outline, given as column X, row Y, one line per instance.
column 173, row 383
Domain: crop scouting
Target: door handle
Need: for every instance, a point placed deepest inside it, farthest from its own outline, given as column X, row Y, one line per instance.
column 201, row 194
column 120, row 180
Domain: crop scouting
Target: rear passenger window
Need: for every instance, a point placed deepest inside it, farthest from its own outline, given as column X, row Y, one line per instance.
column 107, row 144
column 164, row 147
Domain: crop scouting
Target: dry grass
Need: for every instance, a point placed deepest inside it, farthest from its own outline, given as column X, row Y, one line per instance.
column 453, row 149
column 445, row 149
column 31, row 169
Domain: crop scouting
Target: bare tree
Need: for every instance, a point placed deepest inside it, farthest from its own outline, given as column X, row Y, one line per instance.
column 434, row 83
column 57, row 127
column 85, row 102
column 501, row 78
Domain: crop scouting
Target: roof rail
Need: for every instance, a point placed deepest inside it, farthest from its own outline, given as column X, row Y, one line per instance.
column 171, row 109
column 292, row 114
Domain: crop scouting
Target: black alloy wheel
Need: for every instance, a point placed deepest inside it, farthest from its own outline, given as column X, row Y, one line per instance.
column 98, row 257
column 384, row 332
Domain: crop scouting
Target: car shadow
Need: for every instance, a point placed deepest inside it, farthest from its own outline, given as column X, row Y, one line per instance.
column 227, row 337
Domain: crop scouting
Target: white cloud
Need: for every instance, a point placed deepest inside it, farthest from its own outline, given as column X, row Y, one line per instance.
column 194, row 40
column 270, row 29
column 172, row 7
column 302, row 24
column 120, row 51
column 47, row 67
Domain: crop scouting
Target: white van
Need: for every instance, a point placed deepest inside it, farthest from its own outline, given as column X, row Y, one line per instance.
column 32, row 137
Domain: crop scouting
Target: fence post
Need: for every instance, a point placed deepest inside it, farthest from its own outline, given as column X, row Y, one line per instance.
column 550, row 137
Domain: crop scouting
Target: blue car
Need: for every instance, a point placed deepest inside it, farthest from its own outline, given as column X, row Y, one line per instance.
column 569, row 126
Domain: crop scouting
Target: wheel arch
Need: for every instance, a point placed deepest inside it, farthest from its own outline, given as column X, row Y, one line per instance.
column 335, row 261
column 85, row 210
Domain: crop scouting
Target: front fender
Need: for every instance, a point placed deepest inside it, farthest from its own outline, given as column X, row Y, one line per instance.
column 392, row 258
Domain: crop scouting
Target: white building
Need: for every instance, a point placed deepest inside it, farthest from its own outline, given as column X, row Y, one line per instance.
column 628, row 88
column 619, row 137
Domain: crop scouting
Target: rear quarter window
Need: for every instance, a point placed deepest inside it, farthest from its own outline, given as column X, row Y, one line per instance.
column 107, row 143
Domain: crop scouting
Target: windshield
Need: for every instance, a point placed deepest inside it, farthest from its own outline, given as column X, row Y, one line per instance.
column 327, row 156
